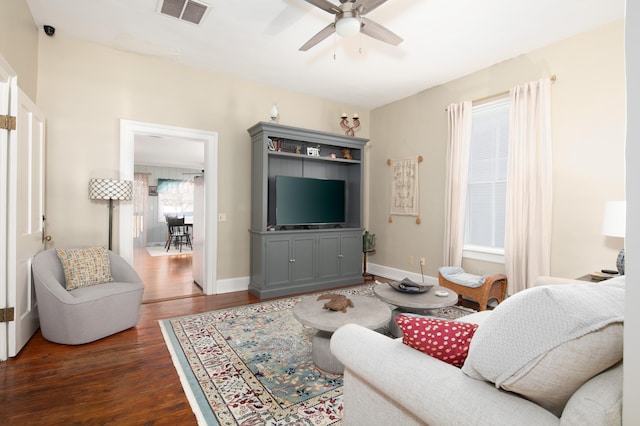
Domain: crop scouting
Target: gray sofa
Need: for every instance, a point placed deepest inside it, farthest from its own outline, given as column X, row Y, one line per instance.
column 572, row 381
column 85, row 314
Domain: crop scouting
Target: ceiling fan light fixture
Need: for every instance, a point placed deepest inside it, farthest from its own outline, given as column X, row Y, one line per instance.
column 348, row 26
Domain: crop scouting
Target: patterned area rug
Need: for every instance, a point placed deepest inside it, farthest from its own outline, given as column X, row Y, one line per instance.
column 251, row 365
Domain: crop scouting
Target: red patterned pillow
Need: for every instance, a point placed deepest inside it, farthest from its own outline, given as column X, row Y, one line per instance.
column 446, row 340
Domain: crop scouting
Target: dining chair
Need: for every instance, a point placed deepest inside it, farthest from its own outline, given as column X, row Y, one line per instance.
column 178, row 233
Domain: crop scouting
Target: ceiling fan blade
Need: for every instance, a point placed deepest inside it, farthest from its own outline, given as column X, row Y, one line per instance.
column 368, row 5
column 379, row 32
column 324, row 33
column 325, row 5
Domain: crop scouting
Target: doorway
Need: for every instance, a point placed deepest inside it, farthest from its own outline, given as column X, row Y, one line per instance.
column 130, row 131
column 162, row 191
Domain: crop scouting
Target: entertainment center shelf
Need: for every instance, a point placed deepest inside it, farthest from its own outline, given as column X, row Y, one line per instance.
column 312, row 158
column 299, row 256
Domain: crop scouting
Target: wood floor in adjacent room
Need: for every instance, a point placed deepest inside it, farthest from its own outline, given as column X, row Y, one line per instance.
column 165, row 277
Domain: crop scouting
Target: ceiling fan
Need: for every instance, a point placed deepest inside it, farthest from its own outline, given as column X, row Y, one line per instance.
column 350, row 20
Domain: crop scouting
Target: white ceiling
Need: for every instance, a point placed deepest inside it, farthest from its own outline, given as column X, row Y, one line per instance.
column 258, row 40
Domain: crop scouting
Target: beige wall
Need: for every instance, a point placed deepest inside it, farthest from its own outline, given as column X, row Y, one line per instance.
column 588, row 102
column 86, row 88
column 19, row 43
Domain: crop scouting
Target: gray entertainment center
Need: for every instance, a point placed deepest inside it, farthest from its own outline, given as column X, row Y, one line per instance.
column 295, row 258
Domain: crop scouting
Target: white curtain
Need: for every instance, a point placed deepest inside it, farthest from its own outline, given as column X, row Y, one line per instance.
column 456, row 181
column 140, row 190
column 529, row 186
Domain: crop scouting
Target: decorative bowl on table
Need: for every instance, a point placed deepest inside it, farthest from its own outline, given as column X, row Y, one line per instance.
column 408, row 286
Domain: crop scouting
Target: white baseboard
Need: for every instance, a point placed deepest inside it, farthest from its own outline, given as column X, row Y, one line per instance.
column 229, row 285
column 398, row 274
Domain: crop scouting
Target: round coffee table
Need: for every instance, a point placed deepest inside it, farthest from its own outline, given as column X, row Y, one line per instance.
column 368, row 312
column 417, row 303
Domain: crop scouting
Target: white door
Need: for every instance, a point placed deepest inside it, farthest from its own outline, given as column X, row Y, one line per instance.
column 24, row 217
column 6, row 79
column 199, row 220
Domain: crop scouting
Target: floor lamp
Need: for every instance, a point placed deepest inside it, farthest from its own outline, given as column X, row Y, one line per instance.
column 110, row 189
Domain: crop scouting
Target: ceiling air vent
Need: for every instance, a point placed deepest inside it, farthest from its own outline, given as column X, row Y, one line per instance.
column 185, row 10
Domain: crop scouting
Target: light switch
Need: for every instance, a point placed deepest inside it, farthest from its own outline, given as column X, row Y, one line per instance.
column 222, row 217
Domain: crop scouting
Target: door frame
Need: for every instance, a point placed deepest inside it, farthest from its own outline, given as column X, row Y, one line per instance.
column 128, row 130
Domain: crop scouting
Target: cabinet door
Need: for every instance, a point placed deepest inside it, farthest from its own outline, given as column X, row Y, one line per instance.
column 278, row 265
column 303, row 258
column 351, row 254
column 328, row 256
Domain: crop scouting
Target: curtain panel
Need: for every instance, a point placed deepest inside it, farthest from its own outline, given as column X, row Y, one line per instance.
column 458, row 146
column 140, row 188
column 529, row 186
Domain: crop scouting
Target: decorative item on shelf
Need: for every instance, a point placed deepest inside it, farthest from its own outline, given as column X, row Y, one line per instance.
column 404, row 180
column 298, row 149
column 110, row 189
column 368, row 247
column 337, row 302
column 346, row 154
column 313, row 152
column 614, row 225
column 274, row 112
column 344, row 123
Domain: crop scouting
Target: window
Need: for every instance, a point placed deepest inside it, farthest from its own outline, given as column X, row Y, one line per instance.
column 487, row 182
column 175, row 198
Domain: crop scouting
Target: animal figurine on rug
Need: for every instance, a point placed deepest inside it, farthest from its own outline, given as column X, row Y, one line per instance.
column 337, row 302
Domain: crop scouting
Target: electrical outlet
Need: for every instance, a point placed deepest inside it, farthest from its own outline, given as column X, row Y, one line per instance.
column 422, row 261
column 410, row 260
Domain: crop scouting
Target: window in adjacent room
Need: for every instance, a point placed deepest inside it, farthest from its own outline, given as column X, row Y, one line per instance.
column 487, row 182
column 175, row 198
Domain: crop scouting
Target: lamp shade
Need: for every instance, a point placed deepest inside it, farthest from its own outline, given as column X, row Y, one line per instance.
column 348, row 26
column 110, row 189
column 614, row 221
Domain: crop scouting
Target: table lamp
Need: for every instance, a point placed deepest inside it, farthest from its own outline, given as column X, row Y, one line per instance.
column 110, row 189
column 614, row 225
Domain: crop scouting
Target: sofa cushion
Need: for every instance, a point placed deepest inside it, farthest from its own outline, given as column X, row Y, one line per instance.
column 84, row 267
column 446, row 340
column 597, row 402
column 545, row 342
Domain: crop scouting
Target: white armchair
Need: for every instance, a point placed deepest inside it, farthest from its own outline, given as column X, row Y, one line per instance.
column 85, row 314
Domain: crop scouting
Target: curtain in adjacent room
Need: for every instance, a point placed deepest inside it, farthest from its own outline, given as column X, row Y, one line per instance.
column 529, row 186
column 459, row 117
column 140, row 188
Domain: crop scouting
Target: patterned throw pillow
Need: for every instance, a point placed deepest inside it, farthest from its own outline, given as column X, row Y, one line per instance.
column 85, row 266
column 446, row 340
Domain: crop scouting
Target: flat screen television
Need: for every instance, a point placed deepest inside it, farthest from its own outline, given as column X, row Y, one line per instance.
column 309, row 201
